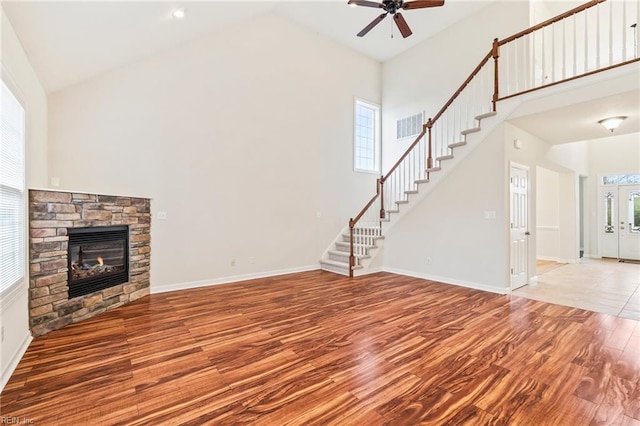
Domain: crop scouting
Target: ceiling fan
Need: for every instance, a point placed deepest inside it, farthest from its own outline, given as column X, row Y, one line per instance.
column 392, row 7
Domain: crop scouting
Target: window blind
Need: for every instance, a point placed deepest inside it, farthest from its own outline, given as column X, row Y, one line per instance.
column 12, row 189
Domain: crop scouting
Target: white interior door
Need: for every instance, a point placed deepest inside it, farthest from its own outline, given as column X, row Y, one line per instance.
column 629, row 222
column 519, row 197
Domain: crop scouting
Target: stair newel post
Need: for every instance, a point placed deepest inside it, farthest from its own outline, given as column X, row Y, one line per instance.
column 495, row 53
column 352, row 259
column 381, row 192
column 429, row 125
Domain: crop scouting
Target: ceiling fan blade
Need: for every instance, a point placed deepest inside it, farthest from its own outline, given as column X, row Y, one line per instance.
column 365, row 3
column 402, row 25
column 373, row 23
column 421, row 4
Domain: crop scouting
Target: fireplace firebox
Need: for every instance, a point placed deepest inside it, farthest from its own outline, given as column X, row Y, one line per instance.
column 98, row 258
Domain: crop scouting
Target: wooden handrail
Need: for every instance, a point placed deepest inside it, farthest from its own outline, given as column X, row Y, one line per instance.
column 551, row 21
column 461, row 88
column 395, row 166
column 355, row 220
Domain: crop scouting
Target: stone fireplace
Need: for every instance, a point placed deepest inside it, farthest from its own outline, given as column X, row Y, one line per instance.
column 88, row 253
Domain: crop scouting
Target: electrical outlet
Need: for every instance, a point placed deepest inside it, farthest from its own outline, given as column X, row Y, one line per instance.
column 2, row 334
column 428, row 260
column 252, row 260
column 233, row 262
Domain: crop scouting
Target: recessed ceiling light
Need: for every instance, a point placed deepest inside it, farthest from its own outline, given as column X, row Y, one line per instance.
column 179, row 13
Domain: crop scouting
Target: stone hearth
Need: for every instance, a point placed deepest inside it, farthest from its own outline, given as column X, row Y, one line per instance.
column 51, row 214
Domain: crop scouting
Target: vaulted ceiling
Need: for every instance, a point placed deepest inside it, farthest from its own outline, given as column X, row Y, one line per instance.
column 69, row 41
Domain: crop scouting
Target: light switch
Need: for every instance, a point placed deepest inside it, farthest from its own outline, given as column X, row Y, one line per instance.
column 162, row 215
column 490, row 214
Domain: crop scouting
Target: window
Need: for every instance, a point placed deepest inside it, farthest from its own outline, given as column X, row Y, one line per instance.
column 12, row 172
column 366, row 144
column 621, row 179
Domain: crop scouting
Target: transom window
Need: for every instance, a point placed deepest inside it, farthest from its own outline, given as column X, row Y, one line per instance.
column 627, row 179
column 366, row 144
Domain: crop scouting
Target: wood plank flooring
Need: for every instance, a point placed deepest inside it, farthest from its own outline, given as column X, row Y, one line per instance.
column 319, row 349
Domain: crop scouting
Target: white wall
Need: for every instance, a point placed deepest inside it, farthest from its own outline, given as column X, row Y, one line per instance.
column 446, row 237
column 243, row 137
column 19, row 76
column 547, row 213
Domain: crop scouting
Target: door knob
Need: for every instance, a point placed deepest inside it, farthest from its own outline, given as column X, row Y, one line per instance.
column 527, row 233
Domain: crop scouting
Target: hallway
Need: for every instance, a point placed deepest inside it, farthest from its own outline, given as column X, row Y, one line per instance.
column 600, row 285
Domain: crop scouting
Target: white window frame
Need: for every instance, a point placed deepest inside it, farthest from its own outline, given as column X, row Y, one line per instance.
column 15, row 183
column 357, row 165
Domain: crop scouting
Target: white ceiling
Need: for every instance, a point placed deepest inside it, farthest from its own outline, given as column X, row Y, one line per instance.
column 70, row 41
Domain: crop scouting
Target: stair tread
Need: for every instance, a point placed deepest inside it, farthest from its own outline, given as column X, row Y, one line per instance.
column 346, row 244
column 338, row 264
column 421, row 181
column 471, row 130
column 485, row 115
column 372, row 236
column 346, row 253
column 457, row 144
column 445, row 157
column 411, row 191
column 434, row 169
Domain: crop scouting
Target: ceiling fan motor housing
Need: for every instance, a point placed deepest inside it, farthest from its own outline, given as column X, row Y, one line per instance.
column 392, row 6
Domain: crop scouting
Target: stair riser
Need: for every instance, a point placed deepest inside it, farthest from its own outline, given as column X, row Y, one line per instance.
column 335, row 269
column 340, row 258
column 345, row 249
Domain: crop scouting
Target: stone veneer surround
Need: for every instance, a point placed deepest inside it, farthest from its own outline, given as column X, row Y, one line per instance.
column 51, row 213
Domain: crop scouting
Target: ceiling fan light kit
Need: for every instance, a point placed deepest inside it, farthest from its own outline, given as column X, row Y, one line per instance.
column 392, row 7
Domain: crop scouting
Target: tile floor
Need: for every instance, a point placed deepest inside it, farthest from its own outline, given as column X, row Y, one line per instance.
column 600, row 285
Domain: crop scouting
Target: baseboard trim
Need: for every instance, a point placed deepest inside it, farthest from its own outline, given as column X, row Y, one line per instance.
column 557, row 259
column 368, row 271
column 446, row 280
column 8, row 372
column 547, row 258
column 230, row 279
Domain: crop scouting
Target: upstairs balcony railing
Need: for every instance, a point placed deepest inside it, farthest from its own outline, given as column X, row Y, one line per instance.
column 594, row 37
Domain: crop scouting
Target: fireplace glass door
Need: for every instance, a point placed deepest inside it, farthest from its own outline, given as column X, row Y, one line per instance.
column 98, row 258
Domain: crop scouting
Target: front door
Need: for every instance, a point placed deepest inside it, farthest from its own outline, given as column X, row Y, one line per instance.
column 519, row 194
column 629, row 222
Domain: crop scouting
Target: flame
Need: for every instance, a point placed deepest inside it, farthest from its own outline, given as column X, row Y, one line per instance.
column 100, row 261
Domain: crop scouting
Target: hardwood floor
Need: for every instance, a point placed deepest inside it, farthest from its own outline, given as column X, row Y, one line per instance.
column 316, row 349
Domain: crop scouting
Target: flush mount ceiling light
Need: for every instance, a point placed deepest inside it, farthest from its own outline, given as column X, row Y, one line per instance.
column 179, row 13
column 612, row 123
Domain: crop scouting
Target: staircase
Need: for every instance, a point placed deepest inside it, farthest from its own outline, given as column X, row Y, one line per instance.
column 369, row 239
column 529, row 63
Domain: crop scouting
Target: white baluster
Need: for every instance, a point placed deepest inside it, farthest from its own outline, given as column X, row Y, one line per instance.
column 611, row 42
column 575, row 48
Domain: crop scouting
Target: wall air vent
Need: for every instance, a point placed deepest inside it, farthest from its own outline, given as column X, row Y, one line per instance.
column 409, row 126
